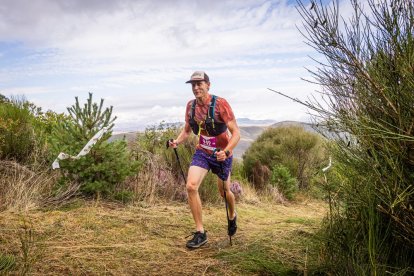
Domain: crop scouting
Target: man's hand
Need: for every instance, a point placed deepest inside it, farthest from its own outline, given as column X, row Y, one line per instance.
column 221, row 155
column 172, row 143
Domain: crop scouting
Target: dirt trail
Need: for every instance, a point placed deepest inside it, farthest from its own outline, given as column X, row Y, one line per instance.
column 108, row 239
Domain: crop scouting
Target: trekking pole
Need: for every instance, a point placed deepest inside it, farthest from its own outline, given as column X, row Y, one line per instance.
column 178, row 159
column 225, row 197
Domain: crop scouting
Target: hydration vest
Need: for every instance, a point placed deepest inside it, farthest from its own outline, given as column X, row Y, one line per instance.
column 213, row 128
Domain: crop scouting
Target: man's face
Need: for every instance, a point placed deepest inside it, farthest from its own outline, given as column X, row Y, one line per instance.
column 200, row 88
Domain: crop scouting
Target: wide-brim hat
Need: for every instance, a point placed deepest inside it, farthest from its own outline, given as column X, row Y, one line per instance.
column 199, row 76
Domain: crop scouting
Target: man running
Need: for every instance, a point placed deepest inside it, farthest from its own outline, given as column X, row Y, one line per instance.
column 212, row 120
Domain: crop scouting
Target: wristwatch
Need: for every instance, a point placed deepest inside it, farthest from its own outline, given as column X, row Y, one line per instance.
column 227, row 153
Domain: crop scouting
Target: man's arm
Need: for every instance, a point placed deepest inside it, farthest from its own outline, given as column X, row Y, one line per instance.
column 182, row 136
column 235, row 138
column 235, row 135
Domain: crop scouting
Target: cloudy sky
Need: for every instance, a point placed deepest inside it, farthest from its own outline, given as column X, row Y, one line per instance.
column 137, row 55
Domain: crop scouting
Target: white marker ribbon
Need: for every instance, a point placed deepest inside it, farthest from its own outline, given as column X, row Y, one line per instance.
column 84, row 151
column 330, row 164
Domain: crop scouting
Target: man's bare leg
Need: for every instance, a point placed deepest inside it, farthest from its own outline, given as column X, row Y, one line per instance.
column 229, row 196
column 195, row 177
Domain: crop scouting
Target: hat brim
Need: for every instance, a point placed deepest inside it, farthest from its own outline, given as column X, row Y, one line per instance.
column 194, row 80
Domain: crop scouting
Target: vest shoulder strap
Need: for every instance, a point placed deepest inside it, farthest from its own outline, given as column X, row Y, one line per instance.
column 212, row 107
column 193, row 109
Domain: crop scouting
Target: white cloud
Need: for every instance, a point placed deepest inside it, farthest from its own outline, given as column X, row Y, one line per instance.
column 137, row 54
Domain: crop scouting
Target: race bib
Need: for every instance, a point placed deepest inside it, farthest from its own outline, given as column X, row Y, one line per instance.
column 208, row 143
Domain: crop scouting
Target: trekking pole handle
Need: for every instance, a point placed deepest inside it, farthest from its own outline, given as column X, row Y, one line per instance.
column 218, row 150
column 168, row 143
column 214, row 152
column 171, row 143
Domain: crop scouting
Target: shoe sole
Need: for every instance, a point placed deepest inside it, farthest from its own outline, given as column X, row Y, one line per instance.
column 197, row 246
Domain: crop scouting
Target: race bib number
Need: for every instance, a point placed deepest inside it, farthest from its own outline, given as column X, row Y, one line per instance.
column 208, row 143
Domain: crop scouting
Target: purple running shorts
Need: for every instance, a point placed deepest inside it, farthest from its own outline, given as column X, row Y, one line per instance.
column 203, row 160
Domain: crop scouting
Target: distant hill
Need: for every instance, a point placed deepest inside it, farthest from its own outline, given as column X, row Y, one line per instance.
column 307, row 126
column 129, row 136
column 250, row 122
column 247, row 135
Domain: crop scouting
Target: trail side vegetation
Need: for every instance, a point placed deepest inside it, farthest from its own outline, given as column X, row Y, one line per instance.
column 366, row 74
column 114, row 201
column 287, row 159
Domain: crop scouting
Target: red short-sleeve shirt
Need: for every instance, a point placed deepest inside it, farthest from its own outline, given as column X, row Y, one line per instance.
column 223, row 113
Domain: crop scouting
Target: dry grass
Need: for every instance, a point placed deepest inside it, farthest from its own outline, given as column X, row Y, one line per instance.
column 22, row 188
column 248, row 194
column 100, row 238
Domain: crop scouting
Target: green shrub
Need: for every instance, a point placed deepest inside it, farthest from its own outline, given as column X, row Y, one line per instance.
column 285, row 183
column 301, row 152
column 238, row 173
column 155, row 137
column 25, row 131
column 107, row 164
column 17, row 136
column 7, row 263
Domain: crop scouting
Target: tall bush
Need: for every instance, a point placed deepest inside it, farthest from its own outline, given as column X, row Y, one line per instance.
column 25, row 131
column 16, row 131
column 107, row 164
column 368, row 82
column 301, row 152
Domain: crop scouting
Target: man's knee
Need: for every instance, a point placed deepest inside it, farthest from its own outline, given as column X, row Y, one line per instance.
column 192, row 187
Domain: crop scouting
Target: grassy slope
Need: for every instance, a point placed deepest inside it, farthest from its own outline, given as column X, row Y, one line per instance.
column 92, row 238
